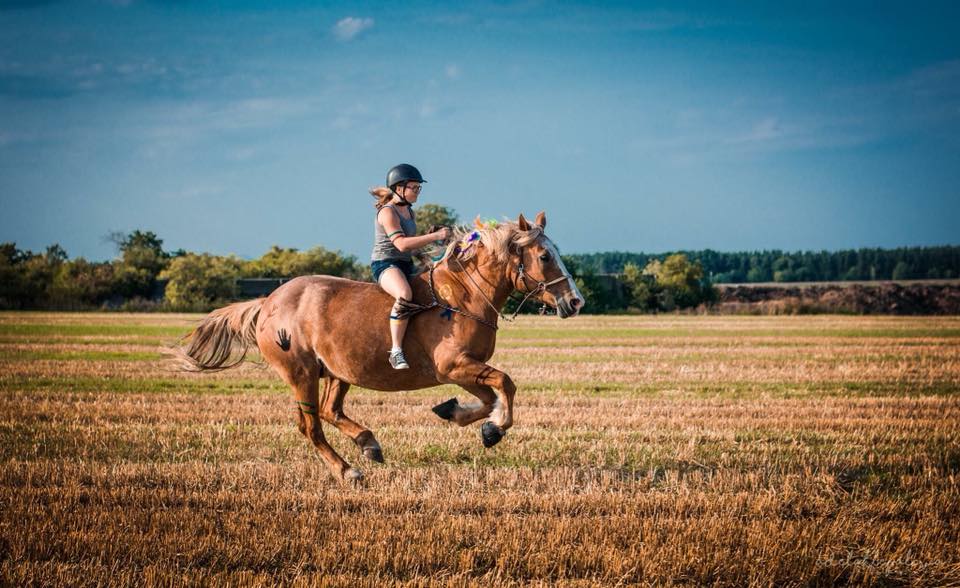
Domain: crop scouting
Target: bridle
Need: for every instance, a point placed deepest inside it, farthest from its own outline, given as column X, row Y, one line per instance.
column 541, row 287
column 522, row 277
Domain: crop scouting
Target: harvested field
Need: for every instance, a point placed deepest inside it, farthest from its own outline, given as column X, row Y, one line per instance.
column 789, row 450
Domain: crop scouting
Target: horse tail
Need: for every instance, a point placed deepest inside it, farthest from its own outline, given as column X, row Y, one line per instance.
column 222, row 339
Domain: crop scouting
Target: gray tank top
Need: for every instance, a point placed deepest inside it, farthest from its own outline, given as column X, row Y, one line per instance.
column 382, row 246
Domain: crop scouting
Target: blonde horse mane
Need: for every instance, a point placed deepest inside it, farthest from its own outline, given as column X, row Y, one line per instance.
column 497, row 240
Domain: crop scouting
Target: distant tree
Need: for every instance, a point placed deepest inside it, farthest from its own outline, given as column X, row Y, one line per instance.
column 82, row 282
column 141, row 250
column 13, row 286
column 681, row 282
column 901, row 271
column 26, row 277
column 37, row 272
column 199, row 279
column 757, row 274
column 597, row 297
column 433, row 215
column 56, row 254
column 784, row 276
column 640, row 286
column 141, row 259
column 280, row 262
column 783, row 269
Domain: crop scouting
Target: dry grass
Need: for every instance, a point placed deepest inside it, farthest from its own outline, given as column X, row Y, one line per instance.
column 730, row 450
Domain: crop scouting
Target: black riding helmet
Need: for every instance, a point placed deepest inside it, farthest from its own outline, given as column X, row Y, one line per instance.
column 403, row 172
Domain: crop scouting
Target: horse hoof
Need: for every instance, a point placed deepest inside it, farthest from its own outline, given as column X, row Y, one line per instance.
column 445, row 410
column 373, row 453
column 369, row 446
column 353, row 476
column 491, row 434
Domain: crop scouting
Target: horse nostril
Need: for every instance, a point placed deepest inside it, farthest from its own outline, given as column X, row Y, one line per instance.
column 575, row 303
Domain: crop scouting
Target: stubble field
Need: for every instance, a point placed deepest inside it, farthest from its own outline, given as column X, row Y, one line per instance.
column 687, row 450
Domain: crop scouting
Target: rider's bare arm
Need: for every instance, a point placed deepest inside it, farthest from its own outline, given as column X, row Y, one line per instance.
column 391, row 225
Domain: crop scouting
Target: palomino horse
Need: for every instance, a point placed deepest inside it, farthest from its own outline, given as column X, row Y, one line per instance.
column 326, row 328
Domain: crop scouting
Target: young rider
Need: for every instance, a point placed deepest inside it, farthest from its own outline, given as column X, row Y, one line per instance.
column 395, row 236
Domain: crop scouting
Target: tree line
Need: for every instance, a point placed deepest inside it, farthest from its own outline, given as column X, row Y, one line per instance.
column 144, row 276
column 903, row 263
column 143, row 272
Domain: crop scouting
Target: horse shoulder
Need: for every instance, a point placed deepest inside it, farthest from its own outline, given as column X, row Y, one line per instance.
column 451, row 353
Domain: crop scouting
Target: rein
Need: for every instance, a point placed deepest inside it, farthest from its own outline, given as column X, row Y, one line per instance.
column 436, row 302
column 521, row 276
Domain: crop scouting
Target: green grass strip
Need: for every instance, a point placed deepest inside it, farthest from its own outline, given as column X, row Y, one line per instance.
column 599, row 334
column 677, row 390
column 85, row 330
column 138, row 385
column 32, row 355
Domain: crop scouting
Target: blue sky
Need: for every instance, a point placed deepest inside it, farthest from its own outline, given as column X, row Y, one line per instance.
column 228, row 127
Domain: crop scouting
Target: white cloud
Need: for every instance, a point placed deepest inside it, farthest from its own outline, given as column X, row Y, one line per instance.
column 767, row 129
column 452, row 71
column 171, row 128
column 349, row 117
column 427, row 109
column 242, row 153
column 200, row 191
column 351, row 26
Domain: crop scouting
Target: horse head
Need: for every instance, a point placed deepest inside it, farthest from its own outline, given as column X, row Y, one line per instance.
column 515, row 256
column 538, row 267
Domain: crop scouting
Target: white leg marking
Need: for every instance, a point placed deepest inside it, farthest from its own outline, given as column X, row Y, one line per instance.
column 497, row 415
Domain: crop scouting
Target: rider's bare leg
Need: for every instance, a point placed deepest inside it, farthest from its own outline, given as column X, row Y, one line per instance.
column 395, row 283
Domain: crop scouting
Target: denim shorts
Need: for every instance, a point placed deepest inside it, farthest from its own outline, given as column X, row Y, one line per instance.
column 378, row 267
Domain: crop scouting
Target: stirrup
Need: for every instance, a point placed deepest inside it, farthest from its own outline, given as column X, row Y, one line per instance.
column 397, row 361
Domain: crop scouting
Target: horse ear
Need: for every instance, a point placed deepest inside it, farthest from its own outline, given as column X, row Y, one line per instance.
column 541, row 220
column 522, row 223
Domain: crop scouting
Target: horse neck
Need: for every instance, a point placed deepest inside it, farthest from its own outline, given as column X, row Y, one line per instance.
column 491, row 279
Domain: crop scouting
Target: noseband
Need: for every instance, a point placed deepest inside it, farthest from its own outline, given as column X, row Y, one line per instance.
column 541, row 286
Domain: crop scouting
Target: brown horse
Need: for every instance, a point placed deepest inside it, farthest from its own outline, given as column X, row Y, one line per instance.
column 326, row 328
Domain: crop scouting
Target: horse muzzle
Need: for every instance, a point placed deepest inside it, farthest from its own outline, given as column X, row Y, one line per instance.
column 569, row 306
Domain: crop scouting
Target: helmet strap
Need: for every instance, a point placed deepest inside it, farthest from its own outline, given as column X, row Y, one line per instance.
column 403, row 201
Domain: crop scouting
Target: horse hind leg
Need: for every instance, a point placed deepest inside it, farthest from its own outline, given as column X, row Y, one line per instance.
column 306, row 391
column 331, row 410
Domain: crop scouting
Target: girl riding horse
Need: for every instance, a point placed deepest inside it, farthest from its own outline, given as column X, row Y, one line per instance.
column 323, row 334
column 394, row 237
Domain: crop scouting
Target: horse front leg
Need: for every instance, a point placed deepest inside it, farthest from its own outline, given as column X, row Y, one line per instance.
column 465, row 414
column 481, row 379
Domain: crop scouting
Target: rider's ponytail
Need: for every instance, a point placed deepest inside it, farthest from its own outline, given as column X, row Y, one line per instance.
column 383, row 195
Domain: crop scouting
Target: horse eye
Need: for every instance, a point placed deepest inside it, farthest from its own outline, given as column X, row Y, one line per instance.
column 545, row 257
